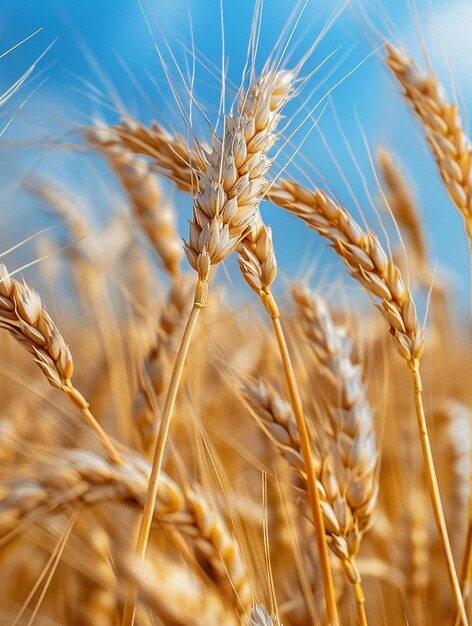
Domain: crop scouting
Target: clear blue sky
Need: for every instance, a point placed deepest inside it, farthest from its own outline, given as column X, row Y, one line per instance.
column 104, row 58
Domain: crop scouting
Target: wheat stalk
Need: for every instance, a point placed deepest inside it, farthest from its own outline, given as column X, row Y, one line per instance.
column 259, row 268
column 158, row 357
column 369, row 264
column 224, row 209
column 24, row 316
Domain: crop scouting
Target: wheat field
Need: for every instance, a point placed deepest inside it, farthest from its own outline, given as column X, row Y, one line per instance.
column 189, row 437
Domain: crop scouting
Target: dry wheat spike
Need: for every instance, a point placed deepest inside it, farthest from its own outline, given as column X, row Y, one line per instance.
column 24, row 316
column 170, row 153
column 180, row 601
column 233, row 184
column 155, row 214
column 349, row 472
column 364, row 257
column 81, row 476
column 442, row 122
column 405, row 211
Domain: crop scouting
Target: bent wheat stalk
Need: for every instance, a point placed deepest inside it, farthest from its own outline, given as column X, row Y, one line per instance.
column 369, row 264
column 25, row 317
column 452, row 151
column 259, row 268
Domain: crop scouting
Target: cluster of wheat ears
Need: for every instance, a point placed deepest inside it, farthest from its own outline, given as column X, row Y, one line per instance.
column 212, row 464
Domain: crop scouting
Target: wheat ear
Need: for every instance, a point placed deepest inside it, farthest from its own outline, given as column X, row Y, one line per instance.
column 224, row 209
column 367, row 262
column 156, row 215
column 170, row 153
column 79, row 476
column 349, row 474
column 405, row 211
column 24, row 316
column 442, row 123
column 277, row 419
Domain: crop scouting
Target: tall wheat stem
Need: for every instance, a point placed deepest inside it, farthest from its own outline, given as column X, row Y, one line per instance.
column 167, row 411
column 434, row 488
column 295, row 400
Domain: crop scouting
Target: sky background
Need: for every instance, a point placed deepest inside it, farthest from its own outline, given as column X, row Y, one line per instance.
column 104, row 61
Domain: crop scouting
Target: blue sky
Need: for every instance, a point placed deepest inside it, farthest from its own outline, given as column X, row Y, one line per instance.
column 104, row 59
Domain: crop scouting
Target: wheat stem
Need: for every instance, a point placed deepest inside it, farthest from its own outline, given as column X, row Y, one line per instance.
column 169, row 403
column 79, row 401
column 466, row 565
column 434, row 488
column 295, row 400
column 360, row 604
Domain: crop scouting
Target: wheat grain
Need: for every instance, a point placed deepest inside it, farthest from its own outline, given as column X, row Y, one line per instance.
column 259, row 616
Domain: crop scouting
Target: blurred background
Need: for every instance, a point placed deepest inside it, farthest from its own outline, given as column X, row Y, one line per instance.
column 105, row 62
